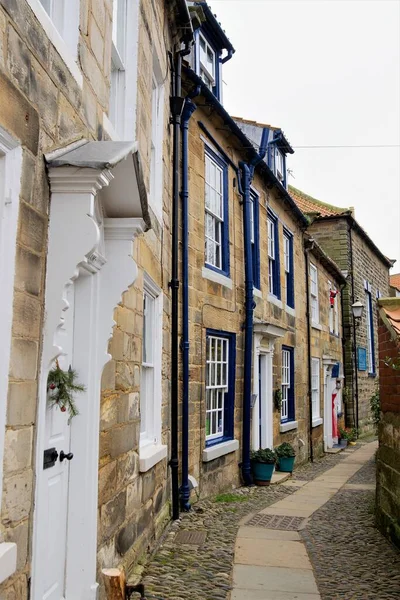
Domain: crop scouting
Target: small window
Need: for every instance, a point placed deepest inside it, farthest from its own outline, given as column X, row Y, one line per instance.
column 157, row 122
column 288, row 262
column 255, row 237
column 216, row 218
column 315, row 398
column 220, row 375
column 370, row 333
column 288, row 408
column 150, row 381
column 314, row 294
column 279, row 164
column 118, row 57
column 207, row 62
column 273, row 256
column 65, row 17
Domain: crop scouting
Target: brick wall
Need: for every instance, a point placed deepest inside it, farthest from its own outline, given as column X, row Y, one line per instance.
column 388, row 458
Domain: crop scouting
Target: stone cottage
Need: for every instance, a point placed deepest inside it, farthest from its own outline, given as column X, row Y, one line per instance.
column 85, row 183
column 367, row 273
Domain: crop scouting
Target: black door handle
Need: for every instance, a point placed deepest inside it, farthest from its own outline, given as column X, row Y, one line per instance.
column 68, row 456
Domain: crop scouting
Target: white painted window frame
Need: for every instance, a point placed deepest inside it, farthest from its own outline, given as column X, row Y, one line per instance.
column 157, row 140
column 207, row 77
column 271, row 254
column 211, row 214
column 314, row 295
column 10, row 185
column 279, row 163
column 151, row 450
column 315, row 389
column 65, row 41
column 124, row 56
column 215, row 389
column 286, row 378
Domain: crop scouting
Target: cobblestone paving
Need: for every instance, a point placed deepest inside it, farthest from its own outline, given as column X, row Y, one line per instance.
column 183, row 572
column 351, row 559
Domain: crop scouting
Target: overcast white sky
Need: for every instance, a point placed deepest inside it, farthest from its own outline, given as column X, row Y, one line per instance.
column 328, row 73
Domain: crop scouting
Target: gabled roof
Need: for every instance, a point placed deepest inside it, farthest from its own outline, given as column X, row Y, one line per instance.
column 312, row 206
column 214, row 26
column 279, row 136
column 320, row 211
column 395, row 280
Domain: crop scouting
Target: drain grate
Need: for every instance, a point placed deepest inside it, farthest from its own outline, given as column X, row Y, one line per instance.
column 196, row 538
column 276, row 522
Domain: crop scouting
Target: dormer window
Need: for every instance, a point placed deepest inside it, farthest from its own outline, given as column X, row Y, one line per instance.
column 280, row 166
column 207, row 62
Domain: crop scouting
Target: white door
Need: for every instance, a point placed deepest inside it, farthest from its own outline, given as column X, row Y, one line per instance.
column 262, row 414
column 53, row 485
column 328, row 440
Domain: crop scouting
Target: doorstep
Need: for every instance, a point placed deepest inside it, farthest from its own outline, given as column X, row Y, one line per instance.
column 279, row 477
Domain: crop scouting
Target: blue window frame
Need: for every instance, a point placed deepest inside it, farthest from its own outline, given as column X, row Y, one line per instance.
column 274, row 271
column 220, row 385
column 289, row 267
column 216, row 226
column 255, row 237
column 370, row 329
column 288, row 404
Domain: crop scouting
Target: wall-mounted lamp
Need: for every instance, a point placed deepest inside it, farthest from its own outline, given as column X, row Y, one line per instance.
column 357, row 308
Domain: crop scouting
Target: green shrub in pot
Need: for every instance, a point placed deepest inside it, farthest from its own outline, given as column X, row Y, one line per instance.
column 262, row 465
column 285, row 454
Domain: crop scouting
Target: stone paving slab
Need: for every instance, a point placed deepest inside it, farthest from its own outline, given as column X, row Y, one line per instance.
column 267, row 534
column 271, row 553
column 274, row 595
column 273, row 579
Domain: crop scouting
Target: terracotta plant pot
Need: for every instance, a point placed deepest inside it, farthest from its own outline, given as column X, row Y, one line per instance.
column 262, row 472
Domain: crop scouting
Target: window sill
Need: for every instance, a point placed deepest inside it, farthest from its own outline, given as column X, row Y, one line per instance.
column 218, row 450
column 57, row 41
column 317, row 422
column 290, row 311
column 257, row 292
column 288, row 426
column 316, row 326
column 274, row 300
column 8, row 560
column 372, row 375
column 216, row 277
column 150, row 455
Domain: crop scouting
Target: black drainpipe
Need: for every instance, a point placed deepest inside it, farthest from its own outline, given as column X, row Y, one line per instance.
column 308, row 244
column 354, row 342
column 176, row 106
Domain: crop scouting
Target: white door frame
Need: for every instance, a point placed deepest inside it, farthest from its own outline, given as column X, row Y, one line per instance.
column 99, row 252
column 328, row 363
column 264, row 338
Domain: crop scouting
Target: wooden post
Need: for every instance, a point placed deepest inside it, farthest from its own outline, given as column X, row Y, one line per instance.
column 114, row 582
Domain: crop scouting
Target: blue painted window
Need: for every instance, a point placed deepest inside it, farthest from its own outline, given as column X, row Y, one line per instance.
column 274, row 274
column 289, row 271
column 370, row 330
column 255, row 237
column 277, row 163
column 216, row 213
column 220, row 385
column 288, row 404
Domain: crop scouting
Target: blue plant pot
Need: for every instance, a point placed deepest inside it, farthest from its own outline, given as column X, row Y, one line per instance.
column 286, row 464
column 262, row 473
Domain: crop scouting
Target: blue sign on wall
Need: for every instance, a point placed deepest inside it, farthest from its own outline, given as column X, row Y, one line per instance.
column 362, row 359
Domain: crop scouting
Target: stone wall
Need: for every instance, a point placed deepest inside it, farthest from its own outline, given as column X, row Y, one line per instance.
column 44, row 107
column 220, row 306
column 353, row 254
column 388, row 457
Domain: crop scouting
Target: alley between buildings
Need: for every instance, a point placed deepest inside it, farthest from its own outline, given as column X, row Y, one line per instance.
column 330, row 549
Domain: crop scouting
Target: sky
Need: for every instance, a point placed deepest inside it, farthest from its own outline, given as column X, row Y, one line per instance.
column 328, row 73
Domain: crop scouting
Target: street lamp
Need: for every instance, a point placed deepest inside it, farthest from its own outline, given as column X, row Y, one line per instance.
column 357, row 309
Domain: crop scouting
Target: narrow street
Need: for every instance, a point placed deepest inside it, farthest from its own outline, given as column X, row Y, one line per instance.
column 326, row 549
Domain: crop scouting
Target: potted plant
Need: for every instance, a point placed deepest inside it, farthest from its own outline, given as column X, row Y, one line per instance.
column 285, row 454
column 352, row 437
column 262, row 465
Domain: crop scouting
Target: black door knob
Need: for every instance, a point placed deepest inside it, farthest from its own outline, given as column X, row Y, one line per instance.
column 68, row 456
